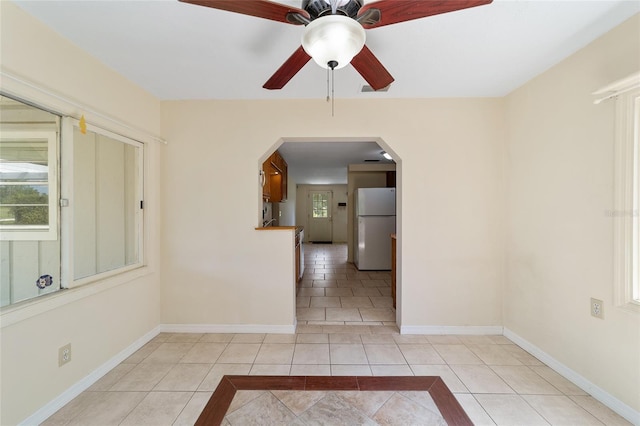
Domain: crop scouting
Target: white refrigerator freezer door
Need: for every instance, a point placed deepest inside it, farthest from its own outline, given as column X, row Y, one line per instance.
column 374, row 242
column 376, row 201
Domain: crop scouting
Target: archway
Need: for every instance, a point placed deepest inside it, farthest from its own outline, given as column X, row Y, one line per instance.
column 319, row 151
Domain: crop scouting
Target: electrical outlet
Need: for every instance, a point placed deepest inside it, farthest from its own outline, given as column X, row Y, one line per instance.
column 597, row 309
column 64, row 355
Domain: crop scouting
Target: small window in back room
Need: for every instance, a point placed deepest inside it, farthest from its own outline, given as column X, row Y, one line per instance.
column 320, row 206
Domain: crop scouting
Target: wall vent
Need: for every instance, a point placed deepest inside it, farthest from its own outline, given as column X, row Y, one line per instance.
column 368, row 89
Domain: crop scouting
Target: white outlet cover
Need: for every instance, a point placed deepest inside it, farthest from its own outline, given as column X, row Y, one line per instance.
column 597, row 308
column 64, row 355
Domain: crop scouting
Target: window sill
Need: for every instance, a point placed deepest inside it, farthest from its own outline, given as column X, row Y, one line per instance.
column 18, row 312
column 631, row 306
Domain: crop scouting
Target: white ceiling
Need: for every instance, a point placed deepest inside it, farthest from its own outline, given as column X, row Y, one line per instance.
column 326, row 163
column 182, row 51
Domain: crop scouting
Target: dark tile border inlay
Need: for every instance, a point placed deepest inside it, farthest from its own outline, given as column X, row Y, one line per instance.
column 218, row 404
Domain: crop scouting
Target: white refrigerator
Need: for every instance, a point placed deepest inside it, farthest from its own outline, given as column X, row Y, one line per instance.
column 375, row 210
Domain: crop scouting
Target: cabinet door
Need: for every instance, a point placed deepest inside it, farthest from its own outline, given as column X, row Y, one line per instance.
column 276, row 185
column 277, row 160
column 266, row 187
column 276, row 174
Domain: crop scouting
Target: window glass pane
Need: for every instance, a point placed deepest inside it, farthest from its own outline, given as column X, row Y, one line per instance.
column 106, row 198
column 24, row 150
column 319, row 203
column 30, row 247
column 24, row 189
column 24, row 215
column 24, row 194
column 26, row 163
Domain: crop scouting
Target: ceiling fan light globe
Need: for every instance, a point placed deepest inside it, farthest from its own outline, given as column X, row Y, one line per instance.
column 333, row 38
column 338, row 2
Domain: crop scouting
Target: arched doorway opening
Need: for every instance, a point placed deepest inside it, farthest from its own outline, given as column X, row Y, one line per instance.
column 323, row 177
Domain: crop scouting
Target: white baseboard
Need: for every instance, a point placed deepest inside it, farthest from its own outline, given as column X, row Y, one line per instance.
column 451, row 329
column 583, row 383
column 65, row 397
column 227, row 328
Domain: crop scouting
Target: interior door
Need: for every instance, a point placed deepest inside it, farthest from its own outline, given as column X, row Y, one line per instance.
column 320, row 220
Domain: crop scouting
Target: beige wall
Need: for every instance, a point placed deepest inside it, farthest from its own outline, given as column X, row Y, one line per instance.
column 450, row 200
column 101, row 320
column 559, row 186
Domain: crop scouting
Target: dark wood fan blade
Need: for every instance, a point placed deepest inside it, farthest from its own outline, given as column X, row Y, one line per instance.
column 371, row 69
column 259, row 8
column 290, row 68
column 395, row 11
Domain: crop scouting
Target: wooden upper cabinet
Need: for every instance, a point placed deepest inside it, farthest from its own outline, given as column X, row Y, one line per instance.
column 266, row 186
column 275, row 187
column 276, row 160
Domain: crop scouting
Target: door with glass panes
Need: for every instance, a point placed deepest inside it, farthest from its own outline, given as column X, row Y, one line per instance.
column 320, row 220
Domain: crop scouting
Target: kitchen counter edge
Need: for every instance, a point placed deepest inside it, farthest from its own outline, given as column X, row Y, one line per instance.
column 298, row 229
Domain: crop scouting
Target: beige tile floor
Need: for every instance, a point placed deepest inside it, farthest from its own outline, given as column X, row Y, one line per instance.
column 334, row 292
column 170, row 379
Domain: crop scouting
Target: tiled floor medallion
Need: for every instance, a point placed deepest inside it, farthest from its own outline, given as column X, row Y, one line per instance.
column 358, row 400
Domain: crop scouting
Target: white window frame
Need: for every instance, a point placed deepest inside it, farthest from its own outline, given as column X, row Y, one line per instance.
column 625, row 215
column 67, row 274
column 37, row 232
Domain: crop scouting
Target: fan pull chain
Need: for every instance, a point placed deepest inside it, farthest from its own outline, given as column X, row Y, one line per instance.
column 328, row 96
column 333, row 94
column 331, row 65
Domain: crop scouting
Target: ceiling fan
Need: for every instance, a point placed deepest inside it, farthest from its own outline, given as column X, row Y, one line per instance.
column 334, row 35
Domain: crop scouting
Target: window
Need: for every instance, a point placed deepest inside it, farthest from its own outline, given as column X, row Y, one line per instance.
column 626, row 210
column 70, row 203
column 105, row 204
column 29, row 182
column 320, row 205
column 28, row 185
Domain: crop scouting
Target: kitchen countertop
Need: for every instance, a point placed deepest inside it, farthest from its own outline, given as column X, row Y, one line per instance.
column 298, row 229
